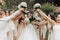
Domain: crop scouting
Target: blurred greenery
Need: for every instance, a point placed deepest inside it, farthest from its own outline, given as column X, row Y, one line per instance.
column 12, row 4
column 47, row 8
column 31, row 2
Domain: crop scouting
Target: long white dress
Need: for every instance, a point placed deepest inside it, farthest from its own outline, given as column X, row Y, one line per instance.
column 29, row 33
column 11, row 26
column 56, row 30
column 50, row 35
column 4, row 28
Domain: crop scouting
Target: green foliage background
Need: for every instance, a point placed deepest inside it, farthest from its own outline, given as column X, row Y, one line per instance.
column 11, row 4
column 47, row 8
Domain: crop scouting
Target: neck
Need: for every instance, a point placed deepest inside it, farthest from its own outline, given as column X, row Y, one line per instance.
column 2, row 16
column 58, row 22
column 32, row 23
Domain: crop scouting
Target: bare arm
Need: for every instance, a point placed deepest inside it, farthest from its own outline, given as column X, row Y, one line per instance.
column 44, row 15
column 42, row 23
column 17, row 13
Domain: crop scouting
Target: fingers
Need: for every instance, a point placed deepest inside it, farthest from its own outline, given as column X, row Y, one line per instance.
column 22, row 9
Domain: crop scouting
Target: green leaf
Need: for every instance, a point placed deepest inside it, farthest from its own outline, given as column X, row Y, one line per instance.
column 47, row 8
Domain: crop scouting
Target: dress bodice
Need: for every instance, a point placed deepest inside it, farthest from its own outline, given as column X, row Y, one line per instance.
column 56, row 27
column 56, row 31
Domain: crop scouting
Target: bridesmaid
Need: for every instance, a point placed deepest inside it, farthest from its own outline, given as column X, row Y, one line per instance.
column 56, row 25
column 21, row 25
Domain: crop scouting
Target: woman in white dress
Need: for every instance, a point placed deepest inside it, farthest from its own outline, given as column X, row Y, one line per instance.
column 29, row 32
column 4, row 21
column 56, row 25
column 50, row 27
column 21, row 26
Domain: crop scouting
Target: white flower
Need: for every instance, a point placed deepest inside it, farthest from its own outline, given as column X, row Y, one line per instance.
column 37, row 5
column 24, row 4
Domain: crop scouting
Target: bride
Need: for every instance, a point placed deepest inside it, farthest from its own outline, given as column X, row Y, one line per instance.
column 29, row 32
column 56, row 25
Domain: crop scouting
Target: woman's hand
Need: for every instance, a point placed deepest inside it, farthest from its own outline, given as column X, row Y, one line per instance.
column 45, row 16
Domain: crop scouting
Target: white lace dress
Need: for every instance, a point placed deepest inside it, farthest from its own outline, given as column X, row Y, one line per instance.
column 56, row 30
column 4, row 28
column 29, row 33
